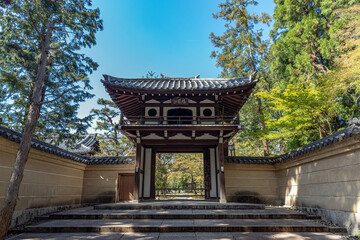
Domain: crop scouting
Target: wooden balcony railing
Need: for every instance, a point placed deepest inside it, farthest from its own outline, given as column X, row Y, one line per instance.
column 180, row 120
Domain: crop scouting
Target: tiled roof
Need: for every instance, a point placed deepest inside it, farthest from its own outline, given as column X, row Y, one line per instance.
column 170, row 83
column 86, row 145
column 339, row 136
column 110, row 160
column 48, row 148
column 251, row 160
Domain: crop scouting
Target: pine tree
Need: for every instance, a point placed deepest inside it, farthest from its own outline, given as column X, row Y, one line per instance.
column 40, row 40
column 111, row 144
column 242, row 49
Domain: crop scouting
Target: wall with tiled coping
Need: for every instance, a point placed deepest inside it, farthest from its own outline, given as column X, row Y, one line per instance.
column 51, row 182
column 325, row 181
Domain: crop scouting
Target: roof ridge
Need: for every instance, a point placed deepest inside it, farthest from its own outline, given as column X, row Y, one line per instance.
column 195, row 78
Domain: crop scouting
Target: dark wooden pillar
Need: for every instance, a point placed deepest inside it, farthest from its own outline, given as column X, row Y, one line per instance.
column 207, row 173
column 221, row 172
column 137, row 172
column 153, row 165
column 226, row 149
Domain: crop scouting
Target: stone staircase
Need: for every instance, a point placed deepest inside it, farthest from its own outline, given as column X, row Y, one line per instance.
column 179, row 218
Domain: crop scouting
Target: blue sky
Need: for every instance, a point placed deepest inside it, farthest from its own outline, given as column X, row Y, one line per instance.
column 164, row 36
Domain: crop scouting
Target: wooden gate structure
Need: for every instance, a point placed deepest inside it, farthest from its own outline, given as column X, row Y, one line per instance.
column 180, row 115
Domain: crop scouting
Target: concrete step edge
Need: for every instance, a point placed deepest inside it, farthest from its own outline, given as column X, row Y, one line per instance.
column 180, row 207
column 179, row 216
column 289, row 228
column 337, row 230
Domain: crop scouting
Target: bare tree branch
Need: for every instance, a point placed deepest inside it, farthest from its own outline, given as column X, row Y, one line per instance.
column 55, row 98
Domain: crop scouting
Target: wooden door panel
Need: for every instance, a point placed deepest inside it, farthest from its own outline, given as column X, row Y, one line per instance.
column 126, row 187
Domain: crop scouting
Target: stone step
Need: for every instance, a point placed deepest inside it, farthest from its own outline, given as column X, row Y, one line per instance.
column 182, row 236
column 267, row 213
column 175, row 205
column 167, row 225
column 179, row 216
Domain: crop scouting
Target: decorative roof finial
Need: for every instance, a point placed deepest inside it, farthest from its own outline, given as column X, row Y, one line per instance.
column 253, row 75
column 163, row 76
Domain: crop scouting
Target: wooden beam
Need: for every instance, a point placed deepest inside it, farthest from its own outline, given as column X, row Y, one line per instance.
column 180, row 128
column 178, row 149
column 180, row 143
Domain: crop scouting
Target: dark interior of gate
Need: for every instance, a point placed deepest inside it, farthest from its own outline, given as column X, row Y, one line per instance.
column 180, row 115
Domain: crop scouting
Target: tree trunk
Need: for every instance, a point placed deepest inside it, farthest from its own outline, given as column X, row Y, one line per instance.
column 282, row 147
column 262, row 127
column 320, row 132
column 25, row 144
column 260, row 112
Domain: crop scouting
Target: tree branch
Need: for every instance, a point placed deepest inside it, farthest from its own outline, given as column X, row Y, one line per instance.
column 56, row 97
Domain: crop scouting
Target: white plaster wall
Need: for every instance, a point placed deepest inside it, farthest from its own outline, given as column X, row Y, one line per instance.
column 212, row 173
column 217, row 168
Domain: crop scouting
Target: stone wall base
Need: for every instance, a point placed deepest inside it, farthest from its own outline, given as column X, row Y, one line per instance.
column 24, row 216
column 350, row 220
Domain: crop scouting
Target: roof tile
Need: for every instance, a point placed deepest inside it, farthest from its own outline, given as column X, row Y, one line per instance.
column 168, row 83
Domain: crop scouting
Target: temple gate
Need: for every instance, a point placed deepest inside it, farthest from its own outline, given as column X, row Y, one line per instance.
column 180, row 115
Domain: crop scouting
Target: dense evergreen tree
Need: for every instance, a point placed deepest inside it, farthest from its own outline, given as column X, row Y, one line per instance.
column 309, row 79
column 66, row 82
column 242, row 51
column 306, row 45
column 41, row 66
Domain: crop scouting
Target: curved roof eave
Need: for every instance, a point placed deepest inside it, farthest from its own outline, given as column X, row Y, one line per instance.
column 179, row 84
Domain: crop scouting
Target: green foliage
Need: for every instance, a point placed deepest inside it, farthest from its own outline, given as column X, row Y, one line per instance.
column 164, row 164
column 304, row 111
column 310, row 99
column 243, row 50
column 179, row 171
column 346, row 74
column 23, row 25
column 308, row 75
column 303, row 48
column 241, row 44
column 111, row 144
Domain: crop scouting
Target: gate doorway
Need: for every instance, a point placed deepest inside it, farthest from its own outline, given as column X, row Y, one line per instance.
column 207, row 188
column 179, row 176
column 126, row 187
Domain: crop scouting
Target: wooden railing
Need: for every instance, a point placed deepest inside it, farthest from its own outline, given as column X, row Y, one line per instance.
column 180, row 120
column 173, row 193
